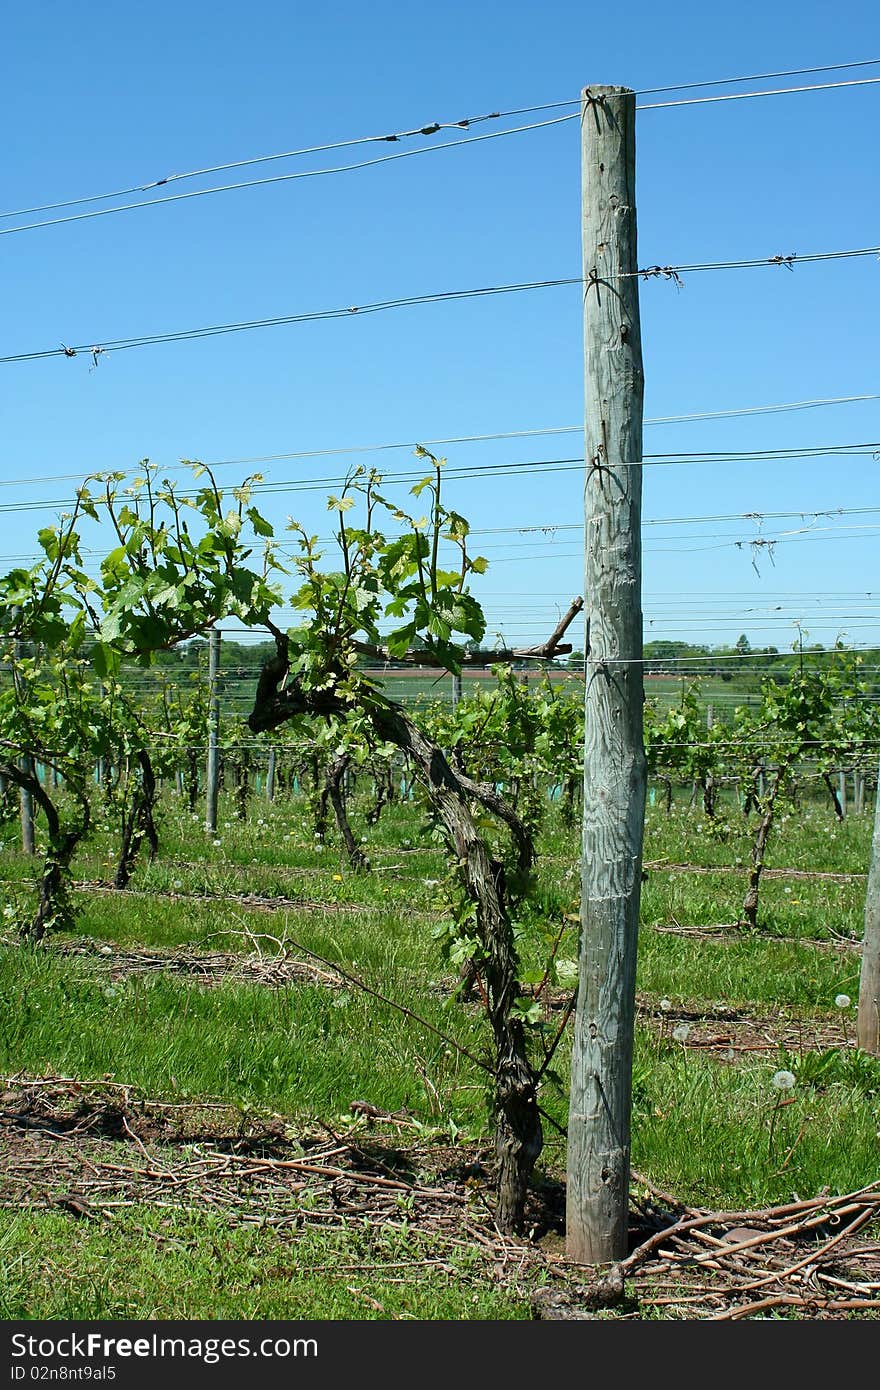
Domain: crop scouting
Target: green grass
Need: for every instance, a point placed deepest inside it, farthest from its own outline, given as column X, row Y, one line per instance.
column 703, row 1131
column 811, row 838
column 818, row 910
column 704, row 1127
column 745, row 970
column 147, row 1265
column 299, row 1050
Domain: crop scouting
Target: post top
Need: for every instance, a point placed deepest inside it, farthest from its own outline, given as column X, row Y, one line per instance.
column 599, row 89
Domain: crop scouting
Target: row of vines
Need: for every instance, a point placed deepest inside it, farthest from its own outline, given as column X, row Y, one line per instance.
column 81, row 741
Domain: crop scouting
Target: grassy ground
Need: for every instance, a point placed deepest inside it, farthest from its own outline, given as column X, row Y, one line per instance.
column 708, row 1124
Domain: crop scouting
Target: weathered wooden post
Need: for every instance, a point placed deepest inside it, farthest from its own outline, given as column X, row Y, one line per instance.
column 270, row 774
column 26, row 803
column 868, row 1024
column 614, row 757
column 212, row 775
column 101, row 762
column 28, row 767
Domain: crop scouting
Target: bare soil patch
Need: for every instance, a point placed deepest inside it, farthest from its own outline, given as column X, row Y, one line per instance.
column 728, row 1032
column 718, row 1029
column 206, row 967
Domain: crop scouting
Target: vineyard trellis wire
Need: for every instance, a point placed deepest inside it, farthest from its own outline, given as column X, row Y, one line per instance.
column 694, row 744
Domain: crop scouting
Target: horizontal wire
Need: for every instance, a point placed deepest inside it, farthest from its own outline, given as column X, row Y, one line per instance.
column 809, row 654
column 759, row 409
column 281, row 178
column 849, row 648
column 758, row 544
column 532, row 545
column 681, row 520
column 478, row 438
column 229, row 681
column 771, row 92
column 543, row 466
column 238, row 673
column 754, row 77
column 715, row 658
column 463, row 472
column 350, row 311
column 173, row 742
column 540, row 466
column 865, row 745
column 427, row 129
column 789, row 261
column 441, row 296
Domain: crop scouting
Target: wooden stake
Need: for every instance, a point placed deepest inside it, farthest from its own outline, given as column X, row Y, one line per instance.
column 270, row 775
column 614, row 757
column 27, row 765
column 868, row 1024
column 213, row 767
column 26, row 802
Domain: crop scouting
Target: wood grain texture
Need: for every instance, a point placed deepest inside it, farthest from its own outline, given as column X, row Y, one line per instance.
column 614, row 759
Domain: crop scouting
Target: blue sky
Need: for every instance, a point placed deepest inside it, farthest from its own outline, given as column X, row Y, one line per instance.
column 105, row 97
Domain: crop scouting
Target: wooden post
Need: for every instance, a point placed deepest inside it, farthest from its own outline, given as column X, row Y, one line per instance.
column 212, row 775
column 28, row 766
column 101, row 763
column 26, row 802
column 709, row 791
column 868, row 1024
column 614, row 757
column 859, row 792
column 270, row 775
column 456, row 689
column 841, row 793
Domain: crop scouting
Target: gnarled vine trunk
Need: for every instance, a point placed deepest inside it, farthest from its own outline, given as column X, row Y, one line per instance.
column 54, row 908
column 138, row 823
column 750, row 903
column 518, row 1132
column 383, row 782
column 334, row 790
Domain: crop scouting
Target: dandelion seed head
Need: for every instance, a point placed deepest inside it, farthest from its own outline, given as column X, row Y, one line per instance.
column 782, row 1080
